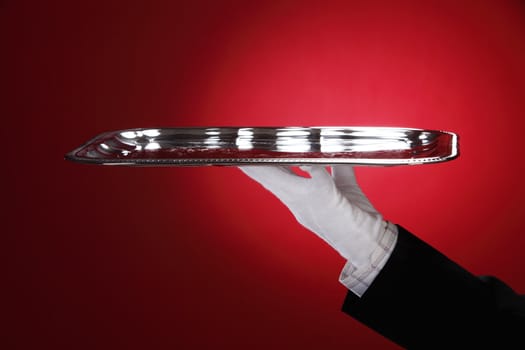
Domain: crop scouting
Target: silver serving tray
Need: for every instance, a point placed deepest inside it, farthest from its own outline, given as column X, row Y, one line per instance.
column 268, row 145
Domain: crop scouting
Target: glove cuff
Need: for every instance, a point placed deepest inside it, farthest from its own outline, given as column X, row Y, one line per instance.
column 359, row 278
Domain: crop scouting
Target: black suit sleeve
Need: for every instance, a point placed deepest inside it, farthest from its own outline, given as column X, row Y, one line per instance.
column 423, row 300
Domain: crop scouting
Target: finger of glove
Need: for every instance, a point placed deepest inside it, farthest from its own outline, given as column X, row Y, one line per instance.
column 346, row 182
column 279, row 180
column 268, row 174
column 321, row 181
column 303, row 196
column 344, row 175
column 317, row 173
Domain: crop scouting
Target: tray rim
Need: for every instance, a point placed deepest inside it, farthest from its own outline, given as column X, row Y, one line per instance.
column 72, row 155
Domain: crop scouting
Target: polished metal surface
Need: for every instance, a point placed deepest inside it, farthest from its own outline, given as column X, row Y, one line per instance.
column 268, row 145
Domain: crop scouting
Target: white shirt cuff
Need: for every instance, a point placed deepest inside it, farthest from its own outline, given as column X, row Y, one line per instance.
column 359, row 279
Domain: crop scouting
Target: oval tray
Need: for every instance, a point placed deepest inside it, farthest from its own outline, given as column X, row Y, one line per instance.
column 198, row 146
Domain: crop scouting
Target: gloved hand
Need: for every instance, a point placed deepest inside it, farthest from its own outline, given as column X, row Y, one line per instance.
column 331, row 206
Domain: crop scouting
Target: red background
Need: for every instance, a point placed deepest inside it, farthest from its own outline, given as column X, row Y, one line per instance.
column 123, row 258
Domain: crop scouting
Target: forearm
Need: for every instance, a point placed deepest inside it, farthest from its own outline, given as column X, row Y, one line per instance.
column 421, row 299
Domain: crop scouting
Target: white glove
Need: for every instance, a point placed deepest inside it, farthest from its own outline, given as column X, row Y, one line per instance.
column 331, row 206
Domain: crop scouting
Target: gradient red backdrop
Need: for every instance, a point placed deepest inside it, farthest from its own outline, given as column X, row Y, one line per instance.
column 187, row 258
